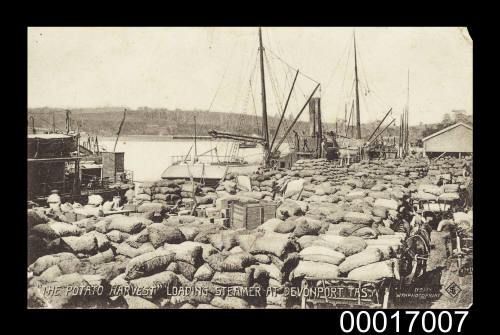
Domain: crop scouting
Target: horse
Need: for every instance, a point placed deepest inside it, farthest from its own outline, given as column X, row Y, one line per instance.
column 345, row 155
column 416, row 249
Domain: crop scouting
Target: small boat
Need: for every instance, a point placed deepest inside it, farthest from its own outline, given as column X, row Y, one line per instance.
column 207, row 168
column 205, row 173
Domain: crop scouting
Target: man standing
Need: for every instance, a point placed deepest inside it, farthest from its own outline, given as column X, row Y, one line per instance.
column 130, row 194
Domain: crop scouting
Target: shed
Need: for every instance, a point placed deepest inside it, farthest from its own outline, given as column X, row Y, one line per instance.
column 455, row 139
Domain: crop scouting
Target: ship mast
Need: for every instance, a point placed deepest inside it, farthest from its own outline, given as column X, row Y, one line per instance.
column 358, row 121
column 407, row 148
column 264, row 107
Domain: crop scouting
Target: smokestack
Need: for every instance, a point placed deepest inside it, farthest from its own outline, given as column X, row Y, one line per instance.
column 313, row 114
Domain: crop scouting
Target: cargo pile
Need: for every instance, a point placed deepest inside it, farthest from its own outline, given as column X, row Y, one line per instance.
column 155, row 195
column 330, row 222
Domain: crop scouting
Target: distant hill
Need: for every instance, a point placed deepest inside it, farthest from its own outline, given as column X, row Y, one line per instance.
column 148, row 121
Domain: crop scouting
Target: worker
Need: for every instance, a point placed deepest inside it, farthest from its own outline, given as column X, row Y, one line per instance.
column 54, row 200
column 296, row 135
column 116, row 200
column 305, row 148
column 130, row 194
column 467, row 174
column 467, row 169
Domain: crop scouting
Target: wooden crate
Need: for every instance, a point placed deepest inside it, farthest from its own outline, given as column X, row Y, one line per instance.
column 269, row 210
column 250, row 216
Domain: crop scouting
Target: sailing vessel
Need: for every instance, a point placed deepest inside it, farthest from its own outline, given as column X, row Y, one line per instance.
column 271, row 147
column 193, row 168
column 352, row 143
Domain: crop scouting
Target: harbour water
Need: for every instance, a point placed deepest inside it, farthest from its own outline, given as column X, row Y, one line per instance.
column 148, row 157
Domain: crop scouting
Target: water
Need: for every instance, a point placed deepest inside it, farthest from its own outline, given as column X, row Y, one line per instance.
column 149, row 158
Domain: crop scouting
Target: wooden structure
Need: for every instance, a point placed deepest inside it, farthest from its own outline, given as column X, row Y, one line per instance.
column 455, row 139
column 113, row 166
column 250, row 216
column 316, row 126
column 51, row 165
column 47, row 174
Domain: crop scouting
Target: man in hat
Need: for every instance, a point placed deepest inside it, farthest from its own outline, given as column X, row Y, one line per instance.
column 130, row 194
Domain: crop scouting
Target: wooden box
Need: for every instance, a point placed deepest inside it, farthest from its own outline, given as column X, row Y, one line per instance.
column 250, row 216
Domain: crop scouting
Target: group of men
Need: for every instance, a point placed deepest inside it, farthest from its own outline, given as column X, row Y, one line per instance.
column 54, row 199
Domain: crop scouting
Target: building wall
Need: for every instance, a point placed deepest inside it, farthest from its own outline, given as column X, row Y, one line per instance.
column 458, row 139
column 44, row 177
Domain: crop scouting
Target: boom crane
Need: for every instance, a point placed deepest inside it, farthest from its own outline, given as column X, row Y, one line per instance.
column 236, row 137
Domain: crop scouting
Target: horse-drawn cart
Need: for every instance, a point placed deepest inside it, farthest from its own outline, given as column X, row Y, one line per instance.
column 409, row 267
column 459, row 249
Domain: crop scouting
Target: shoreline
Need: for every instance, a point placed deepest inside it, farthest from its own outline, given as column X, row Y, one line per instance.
column 159, row 138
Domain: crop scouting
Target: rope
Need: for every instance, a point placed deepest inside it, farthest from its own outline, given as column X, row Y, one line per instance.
column 273, row 84
column 363, row 69
column 338, row 63
column 255, row 108
column 222, row 79
column 292, row 67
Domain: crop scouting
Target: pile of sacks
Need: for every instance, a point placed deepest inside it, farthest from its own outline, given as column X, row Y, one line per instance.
column 443, row 193
column 156, row 195
column 368, row 194
column 69, row 212
column 125, row 254
column 258, row 186
column 347, row 249
column 185, row 262
column 447, row 169
column 461, row 221
column 332, row 222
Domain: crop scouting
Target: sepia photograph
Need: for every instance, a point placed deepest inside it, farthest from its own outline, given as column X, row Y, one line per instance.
column 249, row 168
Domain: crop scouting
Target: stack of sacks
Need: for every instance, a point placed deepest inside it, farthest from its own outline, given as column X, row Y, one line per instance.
column 249, row 189
column 340, row 227
column 275, row 256
column 131, row 254
column 93, row 207
column 154, row 196
column 338, row 254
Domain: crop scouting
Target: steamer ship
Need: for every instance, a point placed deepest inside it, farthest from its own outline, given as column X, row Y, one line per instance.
column 59, row 160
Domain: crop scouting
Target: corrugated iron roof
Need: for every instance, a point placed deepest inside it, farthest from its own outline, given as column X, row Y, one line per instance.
column 446, row 129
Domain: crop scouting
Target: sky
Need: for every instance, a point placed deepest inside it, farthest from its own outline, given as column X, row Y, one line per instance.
column 217, row 68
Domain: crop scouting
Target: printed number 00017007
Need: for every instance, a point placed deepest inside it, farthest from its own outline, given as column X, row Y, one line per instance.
column 363, row 322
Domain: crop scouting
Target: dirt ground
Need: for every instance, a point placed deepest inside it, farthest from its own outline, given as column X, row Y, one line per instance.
column 456, row 290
